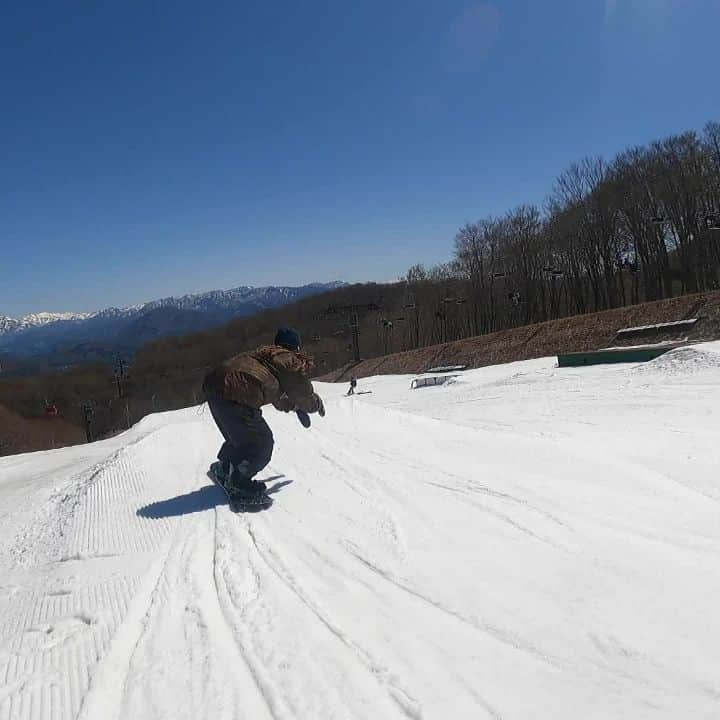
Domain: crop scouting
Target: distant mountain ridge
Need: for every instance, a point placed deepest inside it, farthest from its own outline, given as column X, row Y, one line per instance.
column 11, row 325
column 74, row 337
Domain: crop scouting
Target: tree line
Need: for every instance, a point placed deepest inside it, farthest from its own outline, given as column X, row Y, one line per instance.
column 644, row 226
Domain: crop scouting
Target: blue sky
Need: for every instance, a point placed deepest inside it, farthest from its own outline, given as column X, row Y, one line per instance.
column 155, row 148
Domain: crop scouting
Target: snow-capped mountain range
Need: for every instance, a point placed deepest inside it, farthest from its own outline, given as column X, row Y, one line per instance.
column 11, row 325
column 114, row 329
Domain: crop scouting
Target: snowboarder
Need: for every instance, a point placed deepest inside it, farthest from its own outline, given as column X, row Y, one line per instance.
column 236, row 391
column 353, row 385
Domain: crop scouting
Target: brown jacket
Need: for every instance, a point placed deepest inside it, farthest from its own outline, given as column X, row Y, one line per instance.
column 269, row 375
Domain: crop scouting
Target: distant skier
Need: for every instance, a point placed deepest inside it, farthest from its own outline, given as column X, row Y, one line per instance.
column 353, row 385
column 237, row 389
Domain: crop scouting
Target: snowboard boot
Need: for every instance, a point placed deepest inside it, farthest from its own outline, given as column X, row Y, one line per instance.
column 220, row 471
column 241, row 487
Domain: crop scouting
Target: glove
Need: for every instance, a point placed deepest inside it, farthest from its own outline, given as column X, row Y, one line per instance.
column 284, row 404
column 303, row 417
column 321, row 407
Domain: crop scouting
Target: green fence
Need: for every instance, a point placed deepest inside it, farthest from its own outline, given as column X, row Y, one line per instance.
column 636, row 354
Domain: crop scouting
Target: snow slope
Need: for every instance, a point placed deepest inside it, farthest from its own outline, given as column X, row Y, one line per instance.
column 526, row 542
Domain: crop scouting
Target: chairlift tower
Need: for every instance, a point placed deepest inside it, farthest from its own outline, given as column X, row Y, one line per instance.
column 416, row 311
column 553, row 274
column 120, row 375
column 88, row 412
column 354, row 323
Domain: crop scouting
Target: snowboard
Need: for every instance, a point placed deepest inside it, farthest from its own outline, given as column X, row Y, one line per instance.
column 262, row 502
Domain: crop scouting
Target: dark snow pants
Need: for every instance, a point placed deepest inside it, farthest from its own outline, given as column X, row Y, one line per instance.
column 247, row 436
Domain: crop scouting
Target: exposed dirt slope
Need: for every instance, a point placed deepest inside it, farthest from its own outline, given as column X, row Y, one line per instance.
column 573, row 334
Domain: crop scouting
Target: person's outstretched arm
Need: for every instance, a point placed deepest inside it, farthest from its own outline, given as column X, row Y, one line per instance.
column 296, row 385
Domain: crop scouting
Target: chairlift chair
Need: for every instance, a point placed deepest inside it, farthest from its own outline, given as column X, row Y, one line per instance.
column 712, row 222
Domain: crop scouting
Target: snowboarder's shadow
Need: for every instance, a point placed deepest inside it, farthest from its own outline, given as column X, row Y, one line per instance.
column 200, row 500
column 205, row 498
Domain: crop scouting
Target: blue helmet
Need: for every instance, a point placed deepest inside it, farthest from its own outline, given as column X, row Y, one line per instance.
column 288, row 338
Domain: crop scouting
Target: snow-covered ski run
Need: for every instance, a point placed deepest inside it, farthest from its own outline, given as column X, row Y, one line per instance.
column 525, row 542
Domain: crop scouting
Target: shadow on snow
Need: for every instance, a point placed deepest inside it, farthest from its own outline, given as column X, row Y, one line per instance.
column 206, row 498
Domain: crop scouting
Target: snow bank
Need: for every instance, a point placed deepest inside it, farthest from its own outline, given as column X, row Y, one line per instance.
column 681, row 361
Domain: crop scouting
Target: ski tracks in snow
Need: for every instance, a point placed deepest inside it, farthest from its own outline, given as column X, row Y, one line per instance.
column 410, row 568
column 75, row 574
column 330, row 657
